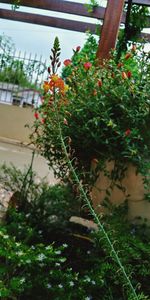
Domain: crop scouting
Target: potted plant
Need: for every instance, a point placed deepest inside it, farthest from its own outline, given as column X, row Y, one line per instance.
column 104, row 115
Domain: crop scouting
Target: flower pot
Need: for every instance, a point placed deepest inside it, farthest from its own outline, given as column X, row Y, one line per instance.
column 133, row 191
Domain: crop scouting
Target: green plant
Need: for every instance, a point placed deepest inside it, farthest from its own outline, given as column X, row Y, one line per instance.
column 15, row 4
column 97, row 273
column 53, row 205
column 54, row 132
column 88, row 51
column 91, row 6
column 103, row 109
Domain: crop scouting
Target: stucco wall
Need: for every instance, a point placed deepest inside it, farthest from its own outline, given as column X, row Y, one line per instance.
column 13, row 120
column 133, row 184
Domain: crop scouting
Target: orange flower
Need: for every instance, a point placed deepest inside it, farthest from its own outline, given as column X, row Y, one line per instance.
column 60, row 84
column 56, row 82
column 124, row 75
column 54, row 77
column 94, row 93
column 46, row 86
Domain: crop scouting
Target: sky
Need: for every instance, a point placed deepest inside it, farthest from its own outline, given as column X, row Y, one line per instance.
column 39, row 39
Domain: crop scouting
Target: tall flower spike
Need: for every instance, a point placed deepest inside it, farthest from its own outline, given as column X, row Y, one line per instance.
column 55, row 62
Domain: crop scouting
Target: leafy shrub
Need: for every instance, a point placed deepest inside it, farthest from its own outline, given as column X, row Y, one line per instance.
column 81, row 270
column 30, row 268
column 103, row 109
column 52, row 205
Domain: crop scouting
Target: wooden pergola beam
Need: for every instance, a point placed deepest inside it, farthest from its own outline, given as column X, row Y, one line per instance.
column 140, row 2
column 68, row 3
column 50, row 21
column 62, row 6
column 110, row 28
column 47, row 21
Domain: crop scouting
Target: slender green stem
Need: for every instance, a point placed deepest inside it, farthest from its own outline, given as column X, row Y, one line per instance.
column 93, row 213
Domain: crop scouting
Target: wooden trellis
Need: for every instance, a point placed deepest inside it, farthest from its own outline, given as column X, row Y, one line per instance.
column 112, row 16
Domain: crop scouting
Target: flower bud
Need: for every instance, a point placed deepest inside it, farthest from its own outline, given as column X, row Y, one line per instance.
column 78, row 48
column 129, row 74
column 87, row 65
column 124, row 75
column 99, row 82
column 128, row 55
column 67, row 62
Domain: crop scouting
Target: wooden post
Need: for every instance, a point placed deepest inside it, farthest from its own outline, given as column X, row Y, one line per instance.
column 110, row 28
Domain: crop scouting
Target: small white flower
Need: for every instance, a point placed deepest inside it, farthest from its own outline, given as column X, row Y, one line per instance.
column 41, row 265
column 57, row 264
column 49, row 286
column 48, row 247
column 63, row 259
column 88, row 298
column 5, row 236
column 28, row 261
column 22, row 280
column 93, row 282
column 58, row 252
column 20, row 253
column 60, row 286
column 65, row 245
column 88, row 252
column 41, row 257
column 87, row 279
column 18, row 244
column 71, row 283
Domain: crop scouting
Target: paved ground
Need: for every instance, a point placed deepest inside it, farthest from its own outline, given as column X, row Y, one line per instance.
column 21, row 158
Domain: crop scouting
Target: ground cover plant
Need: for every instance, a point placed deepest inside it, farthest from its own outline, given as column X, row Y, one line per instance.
column 71, row 262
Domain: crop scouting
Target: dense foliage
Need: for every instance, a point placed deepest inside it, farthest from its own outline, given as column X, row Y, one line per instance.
column 68, row 262
column 103, row 109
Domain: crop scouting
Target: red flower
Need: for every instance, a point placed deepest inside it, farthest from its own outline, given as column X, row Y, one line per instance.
column 67, row 62
column 129, row 74
column 87, row 65
column 127, row 132
column 78, row 48
column 36, row 115
column 128, row 55
column 99, row 82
